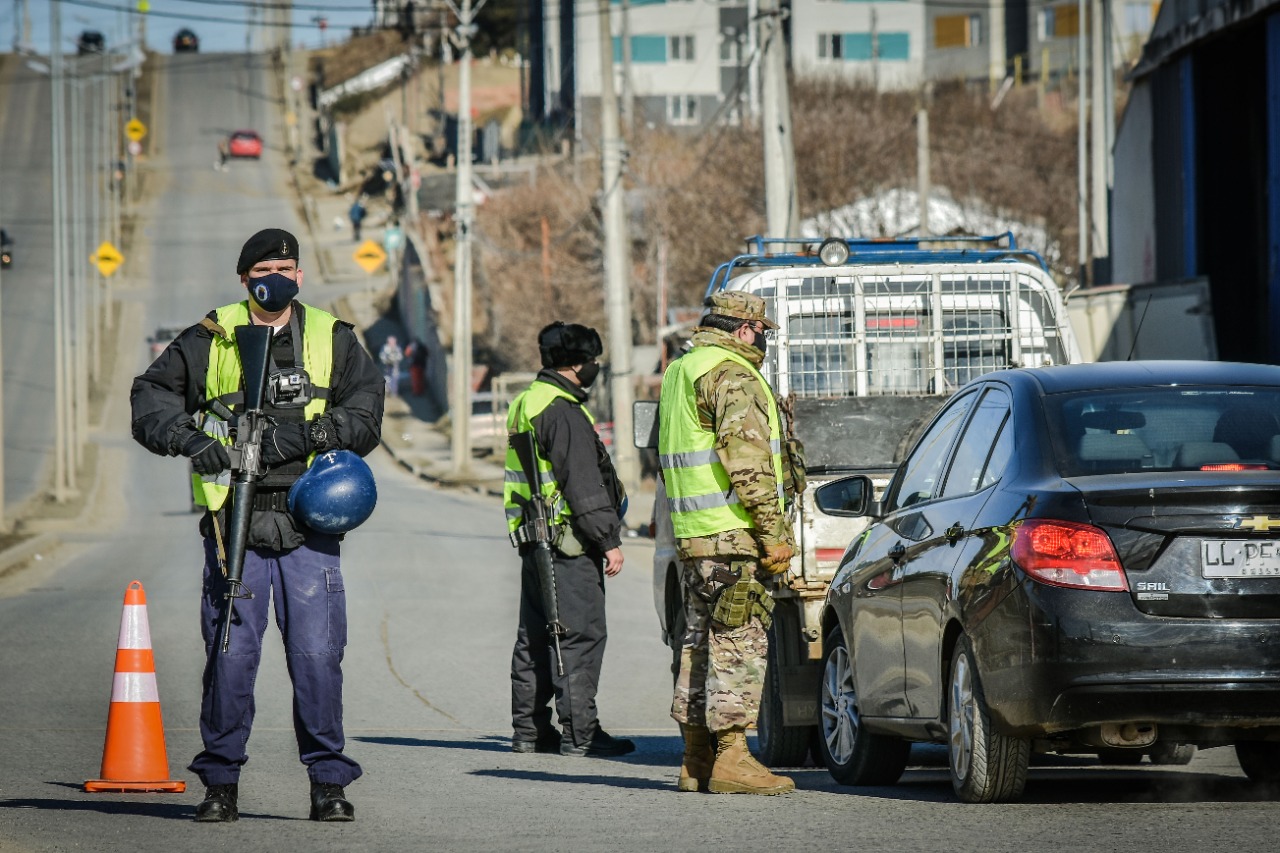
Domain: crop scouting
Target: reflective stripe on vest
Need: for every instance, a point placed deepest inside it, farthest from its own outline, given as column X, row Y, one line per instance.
column 224, row 381
column 699, row 494
column 524, row 408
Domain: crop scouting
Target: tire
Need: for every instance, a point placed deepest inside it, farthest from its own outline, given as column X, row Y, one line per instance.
column 779, row 745
column 1168, row 754
column 1260, row 760
column 853, row 755
column 986, row 766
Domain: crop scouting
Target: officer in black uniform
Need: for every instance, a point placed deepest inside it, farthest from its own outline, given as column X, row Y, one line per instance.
column 589, row 550
column 324, row 393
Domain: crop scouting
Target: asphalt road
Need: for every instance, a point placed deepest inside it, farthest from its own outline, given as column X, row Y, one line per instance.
column 26, row 304
column 432, row 594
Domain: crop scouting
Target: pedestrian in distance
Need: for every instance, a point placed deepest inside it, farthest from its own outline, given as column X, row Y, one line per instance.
column 720, row 424
column 587, row 524
column 416, row 352
column 391, row 355
column 356, row 214
column 223, row 154
column 324, row 394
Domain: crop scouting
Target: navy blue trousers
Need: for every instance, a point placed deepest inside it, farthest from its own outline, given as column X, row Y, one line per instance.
column 305, row 585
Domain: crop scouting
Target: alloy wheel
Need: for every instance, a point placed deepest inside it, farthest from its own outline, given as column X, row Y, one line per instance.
column 839, row 706
column 962, row 717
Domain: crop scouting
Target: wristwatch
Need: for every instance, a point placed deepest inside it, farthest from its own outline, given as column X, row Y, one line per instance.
column 319, row 435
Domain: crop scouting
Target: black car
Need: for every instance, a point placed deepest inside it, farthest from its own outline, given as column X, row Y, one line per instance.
column 90, row 41
column 185, row 41
column 1075, row 559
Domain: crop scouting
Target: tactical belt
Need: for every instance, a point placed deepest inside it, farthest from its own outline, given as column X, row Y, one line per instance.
column 275, row 499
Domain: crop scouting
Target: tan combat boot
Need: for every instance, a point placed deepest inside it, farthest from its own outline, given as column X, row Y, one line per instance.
column 699, row 755
column 737, row 772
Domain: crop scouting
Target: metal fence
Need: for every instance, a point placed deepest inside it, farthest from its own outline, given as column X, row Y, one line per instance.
column 869, row 333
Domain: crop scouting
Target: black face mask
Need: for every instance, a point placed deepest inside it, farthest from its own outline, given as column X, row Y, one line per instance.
column 758, row 340
column 273, row 292
column 587, row 373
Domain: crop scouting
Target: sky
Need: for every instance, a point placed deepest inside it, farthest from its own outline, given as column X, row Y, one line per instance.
column 221, row 25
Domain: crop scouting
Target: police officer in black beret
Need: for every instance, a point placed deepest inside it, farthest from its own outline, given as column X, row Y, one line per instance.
column 324, row 393
column 587, row 516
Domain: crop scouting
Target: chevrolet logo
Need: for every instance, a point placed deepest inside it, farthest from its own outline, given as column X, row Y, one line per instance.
column 1259, row 523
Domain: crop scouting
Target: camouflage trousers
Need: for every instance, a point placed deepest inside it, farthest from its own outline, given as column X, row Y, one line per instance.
column 721, row 669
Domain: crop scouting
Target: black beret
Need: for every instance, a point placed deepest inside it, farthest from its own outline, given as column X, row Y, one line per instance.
column 269, row 244
column 564, row 345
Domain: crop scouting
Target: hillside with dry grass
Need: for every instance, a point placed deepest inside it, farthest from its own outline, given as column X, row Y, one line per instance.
column 693, row 198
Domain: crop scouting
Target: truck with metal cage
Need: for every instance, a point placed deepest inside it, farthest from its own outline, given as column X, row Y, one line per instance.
column 873, row 335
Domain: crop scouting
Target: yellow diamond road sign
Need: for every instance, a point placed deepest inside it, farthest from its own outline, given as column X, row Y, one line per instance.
column 107, row 259
column 369, row 256
column 135, row 130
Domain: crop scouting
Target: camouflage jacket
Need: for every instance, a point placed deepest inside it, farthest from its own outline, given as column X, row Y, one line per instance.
column 732, row 403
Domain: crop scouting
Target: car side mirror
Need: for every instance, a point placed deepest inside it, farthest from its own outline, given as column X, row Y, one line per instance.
column 644, row 424
column 850, row 497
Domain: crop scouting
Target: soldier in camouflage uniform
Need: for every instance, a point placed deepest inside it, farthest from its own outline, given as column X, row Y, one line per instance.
column 720, row 450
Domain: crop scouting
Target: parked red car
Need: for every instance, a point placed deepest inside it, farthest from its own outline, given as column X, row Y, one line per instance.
column 245, row 143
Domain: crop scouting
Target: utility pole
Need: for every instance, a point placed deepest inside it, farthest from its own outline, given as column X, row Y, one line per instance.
column 782, row 204
column 922, row 164
column 464, row 215
column 61, row 485
column 628, row 93
column 1101, row 152
column 875, row 52
column 617, row 264
column 1082, row 148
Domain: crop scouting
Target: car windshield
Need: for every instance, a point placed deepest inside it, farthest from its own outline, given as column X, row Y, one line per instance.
column 1168, row 429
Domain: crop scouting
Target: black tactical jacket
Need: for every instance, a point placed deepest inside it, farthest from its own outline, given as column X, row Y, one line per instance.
column 172, row 389
column 581, row 466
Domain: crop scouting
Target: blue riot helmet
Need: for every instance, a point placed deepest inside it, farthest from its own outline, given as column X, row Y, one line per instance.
column 335, row 495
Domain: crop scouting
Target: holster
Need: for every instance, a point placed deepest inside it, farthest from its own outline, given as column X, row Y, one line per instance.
column 735, row 605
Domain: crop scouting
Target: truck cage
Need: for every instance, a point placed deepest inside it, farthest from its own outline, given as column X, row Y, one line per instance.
column 902, row 316
column 878, row 250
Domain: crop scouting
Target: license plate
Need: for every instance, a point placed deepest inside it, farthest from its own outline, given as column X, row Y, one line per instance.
column 1234, row 558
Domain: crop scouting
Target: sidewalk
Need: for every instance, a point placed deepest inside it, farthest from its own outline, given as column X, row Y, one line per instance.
column 413, row 430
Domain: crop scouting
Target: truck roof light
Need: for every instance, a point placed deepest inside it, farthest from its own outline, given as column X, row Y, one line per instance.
column 833, row 251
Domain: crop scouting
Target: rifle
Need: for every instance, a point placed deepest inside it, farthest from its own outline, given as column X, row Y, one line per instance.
column 536, row 530
column 254, row 346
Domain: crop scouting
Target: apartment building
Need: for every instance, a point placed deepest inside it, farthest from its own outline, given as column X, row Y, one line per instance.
column 688, row 62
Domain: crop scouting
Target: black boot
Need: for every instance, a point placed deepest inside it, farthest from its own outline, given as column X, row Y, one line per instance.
column 329, row 802
column 219, row 804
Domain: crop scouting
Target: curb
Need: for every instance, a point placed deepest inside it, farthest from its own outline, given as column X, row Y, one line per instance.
column 37, row 546
column 422, row 473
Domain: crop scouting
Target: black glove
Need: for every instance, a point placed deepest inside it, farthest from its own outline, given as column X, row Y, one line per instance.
column 207, row 454
column 284, row 442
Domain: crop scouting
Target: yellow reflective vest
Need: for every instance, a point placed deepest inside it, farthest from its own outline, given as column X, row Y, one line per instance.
column 700, row 496
column 224, row 381
column 524, row 408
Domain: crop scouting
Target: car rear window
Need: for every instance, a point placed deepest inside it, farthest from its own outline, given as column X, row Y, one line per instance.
column 1171, row 429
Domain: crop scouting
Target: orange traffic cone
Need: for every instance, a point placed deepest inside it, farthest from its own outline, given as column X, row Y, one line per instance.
column 134, row 757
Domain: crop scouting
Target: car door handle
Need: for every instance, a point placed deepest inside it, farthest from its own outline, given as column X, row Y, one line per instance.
column 953, row 533
column 897, row 552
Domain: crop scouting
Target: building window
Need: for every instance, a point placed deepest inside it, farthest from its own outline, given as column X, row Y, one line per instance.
column 1061, row 21
column 731, row 48
column 650, row 49
column 682, row 109
column 975, row 30
column 830, row 46
column 894, row 46
column 681, row 48
column 957, row 31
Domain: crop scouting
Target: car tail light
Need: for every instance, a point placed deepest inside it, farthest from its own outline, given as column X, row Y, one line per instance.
column 1065, row 553
column 1233, row 466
